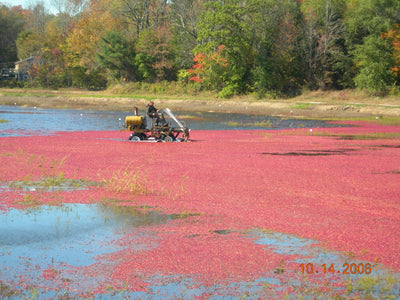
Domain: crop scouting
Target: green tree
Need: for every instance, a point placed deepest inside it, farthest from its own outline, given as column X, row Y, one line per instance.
column 156, row 59
column 227, row 24
column 375, row 61
column 28, row 43
column 276, row 42
column 11, row 24
column 366, row 17
column 117, row 55
column 366, row 22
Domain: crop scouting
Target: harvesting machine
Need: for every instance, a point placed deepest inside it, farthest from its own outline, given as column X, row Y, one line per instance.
column 158, row 129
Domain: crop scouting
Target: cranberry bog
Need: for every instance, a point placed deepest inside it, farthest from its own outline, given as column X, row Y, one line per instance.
column 258, row 214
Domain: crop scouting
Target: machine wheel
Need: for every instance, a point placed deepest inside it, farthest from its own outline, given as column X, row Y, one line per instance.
column 135, row 137
column 170, row 138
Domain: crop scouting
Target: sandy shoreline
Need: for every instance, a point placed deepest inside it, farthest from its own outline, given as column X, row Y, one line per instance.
column 317, row 105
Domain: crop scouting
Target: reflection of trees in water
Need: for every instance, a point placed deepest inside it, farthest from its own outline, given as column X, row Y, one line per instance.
column 138, row 216
column 132, row 215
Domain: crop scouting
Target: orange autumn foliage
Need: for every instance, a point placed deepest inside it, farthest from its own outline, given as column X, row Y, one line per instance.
column 394, row 36
column 206, row 66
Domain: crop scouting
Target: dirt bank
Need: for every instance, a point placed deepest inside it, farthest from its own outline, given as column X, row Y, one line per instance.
column 343, row 104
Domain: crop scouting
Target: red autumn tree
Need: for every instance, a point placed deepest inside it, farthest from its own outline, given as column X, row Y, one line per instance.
column 209, row 68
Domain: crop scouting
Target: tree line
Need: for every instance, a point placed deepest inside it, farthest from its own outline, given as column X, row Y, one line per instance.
column 267, row 47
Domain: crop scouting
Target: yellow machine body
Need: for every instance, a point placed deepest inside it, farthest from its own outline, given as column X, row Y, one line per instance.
column 134, row 121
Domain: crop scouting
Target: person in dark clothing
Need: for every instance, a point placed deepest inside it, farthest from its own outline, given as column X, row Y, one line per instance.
column 154, row 113
column 151, row 110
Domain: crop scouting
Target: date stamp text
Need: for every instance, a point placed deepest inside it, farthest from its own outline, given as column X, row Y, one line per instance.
column 346, row 268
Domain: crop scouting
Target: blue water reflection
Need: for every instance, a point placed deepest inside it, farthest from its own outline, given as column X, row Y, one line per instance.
column 60, row 238
column 22, row 121
column 67, row 236
column 35, row 121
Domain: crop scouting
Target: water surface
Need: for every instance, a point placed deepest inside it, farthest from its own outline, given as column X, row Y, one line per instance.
column 40, row 121
column 36, row 242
